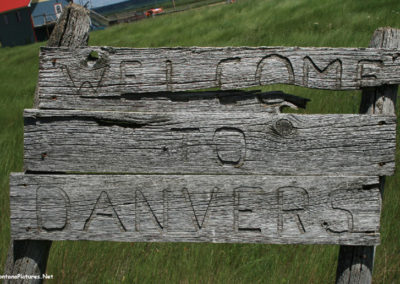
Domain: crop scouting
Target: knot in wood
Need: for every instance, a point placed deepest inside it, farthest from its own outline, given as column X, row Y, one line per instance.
column 379, row 105
column 284, row 127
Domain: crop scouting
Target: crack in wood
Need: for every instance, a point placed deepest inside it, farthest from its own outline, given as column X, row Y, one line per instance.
column 120, row 123
column 168, row 75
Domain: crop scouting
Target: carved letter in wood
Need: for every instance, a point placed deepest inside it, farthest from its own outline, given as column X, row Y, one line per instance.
column 274, row 69
column 197, row 208
column 228, row 70
column 369, row 72
column 316, row 77
column 52, row 208
column 230, row 146
column 102, row 214
column 293, row 202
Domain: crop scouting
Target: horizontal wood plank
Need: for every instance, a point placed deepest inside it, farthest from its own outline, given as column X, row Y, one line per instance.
column 199, row 208
column 108, row 72
column 209, row 143
column 210, row 101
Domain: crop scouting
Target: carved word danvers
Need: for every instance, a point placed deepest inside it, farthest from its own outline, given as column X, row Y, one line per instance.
column 116, row 71
column 226, row 206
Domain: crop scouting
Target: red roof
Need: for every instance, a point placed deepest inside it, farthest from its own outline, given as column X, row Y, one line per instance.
column 8, row 5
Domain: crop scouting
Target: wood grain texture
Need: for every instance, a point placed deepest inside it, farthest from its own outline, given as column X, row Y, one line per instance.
column 211, row 101
column 208, row 143
column 197, row 208
column 108, row 72
column 355, row 264
column 72, row 28
column 29, row 257
column 382, row 100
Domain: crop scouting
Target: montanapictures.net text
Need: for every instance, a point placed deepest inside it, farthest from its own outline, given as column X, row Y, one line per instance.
column 24, row 276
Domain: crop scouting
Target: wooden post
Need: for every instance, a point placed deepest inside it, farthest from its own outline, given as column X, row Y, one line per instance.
column 72, row 29
column 355, row 263
column 29, row 257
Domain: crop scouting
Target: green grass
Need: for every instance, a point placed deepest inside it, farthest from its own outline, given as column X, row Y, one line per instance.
column 252, row 23
column 18, row 75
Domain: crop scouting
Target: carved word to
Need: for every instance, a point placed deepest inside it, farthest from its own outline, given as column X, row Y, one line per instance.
column 229, row 143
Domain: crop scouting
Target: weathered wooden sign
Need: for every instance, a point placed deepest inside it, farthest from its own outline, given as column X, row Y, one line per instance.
column 209, row 143
column 122, row 156
column 200, row 208
column 110, row 72
column 216, row 166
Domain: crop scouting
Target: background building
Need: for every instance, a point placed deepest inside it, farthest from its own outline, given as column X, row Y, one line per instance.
column 27, row 21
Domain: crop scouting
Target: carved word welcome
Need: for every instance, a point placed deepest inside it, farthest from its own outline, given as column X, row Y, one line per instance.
column 115, row 71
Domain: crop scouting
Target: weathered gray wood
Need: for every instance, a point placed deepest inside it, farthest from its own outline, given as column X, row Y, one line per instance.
column 30, row 257
column 211, row 101
column 382, row 100
column 72, row 28
column 385, row 37
column 355, row 264
column 198, row 208
column 209, row 143
column 106, row 71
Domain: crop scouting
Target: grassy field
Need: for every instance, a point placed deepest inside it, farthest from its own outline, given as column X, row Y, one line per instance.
column 248, row 22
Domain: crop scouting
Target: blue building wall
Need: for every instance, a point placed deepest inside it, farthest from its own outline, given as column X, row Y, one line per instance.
column 16, row 28
column 43, row 12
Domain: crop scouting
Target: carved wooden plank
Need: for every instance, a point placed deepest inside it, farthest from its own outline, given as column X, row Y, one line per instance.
column 197, row 208
column 208, row 143
column 108, row 72
column 211, row 101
